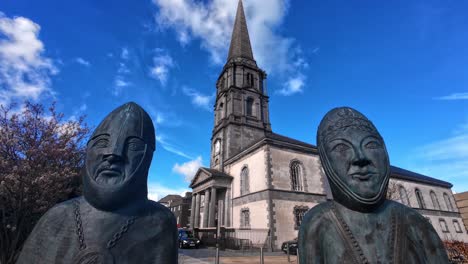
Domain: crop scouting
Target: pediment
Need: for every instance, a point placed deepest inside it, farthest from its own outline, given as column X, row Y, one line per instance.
column 201, row 176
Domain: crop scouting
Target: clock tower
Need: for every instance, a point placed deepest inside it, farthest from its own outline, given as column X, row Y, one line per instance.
column 241, row 108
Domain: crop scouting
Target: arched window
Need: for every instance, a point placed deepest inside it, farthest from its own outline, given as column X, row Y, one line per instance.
column 244, row 181
column 448, row 203
column 443, row 225
column 403, row 195
column 249, row 106
column 435, row 201
column 296, row 177
column 420, row 199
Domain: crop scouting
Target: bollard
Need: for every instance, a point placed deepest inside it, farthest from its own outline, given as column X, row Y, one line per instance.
column 217, row 256
column 287, row 250
column 261, row 255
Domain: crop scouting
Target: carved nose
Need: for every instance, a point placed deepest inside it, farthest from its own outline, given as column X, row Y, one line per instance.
column 115, row 152
column 361, row 159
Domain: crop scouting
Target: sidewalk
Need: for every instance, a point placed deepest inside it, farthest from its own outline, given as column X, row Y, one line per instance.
column 207, row 256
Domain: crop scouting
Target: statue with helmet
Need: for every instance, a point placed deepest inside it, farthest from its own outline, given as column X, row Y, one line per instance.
column 360, row 225
column 113, row 222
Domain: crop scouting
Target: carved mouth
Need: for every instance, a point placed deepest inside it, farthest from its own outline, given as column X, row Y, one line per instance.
column 363, row 176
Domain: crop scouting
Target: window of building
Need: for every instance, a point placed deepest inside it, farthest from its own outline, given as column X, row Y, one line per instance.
column 296, row 177
column 403, row 195
column 299, row 212
column 420, row 199
column 448, row 203
column 244, row 181
column 435, row 201
column 249, row 80
column 457, row 226
column 245, row 218
column 443, row 226
column 249, row 107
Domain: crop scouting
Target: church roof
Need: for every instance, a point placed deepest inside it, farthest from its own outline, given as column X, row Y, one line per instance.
column 278, row 137
column 403, row 174
column 205, row 174
column 240, row 40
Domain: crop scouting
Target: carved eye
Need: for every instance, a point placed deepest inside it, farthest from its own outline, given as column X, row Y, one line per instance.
column 135, row 145
column 373, row 145
column 340, row 147
column 101, row 143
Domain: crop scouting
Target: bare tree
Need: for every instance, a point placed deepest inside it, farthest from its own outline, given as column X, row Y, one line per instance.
column 41, row 157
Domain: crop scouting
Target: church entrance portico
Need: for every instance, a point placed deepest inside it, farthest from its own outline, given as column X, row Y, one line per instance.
column 211, row 199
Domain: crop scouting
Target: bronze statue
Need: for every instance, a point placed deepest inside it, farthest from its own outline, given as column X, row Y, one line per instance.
column 113, row 222
column 361, row 225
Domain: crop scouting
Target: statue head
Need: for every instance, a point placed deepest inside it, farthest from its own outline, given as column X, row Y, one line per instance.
column 118, row 158
column 355, row 159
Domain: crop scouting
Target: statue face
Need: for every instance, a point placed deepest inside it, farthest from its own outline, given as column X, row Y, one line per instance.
column 111, row 160
column 118, row 158
column 359, row 159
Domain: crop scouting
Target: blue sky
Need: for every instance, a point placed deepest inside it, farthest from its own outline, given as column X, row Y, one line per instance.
column 404, row 64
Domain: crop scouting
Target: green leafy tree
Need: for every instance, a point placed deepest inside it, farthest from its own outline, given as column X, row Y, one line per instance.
column 41, row 158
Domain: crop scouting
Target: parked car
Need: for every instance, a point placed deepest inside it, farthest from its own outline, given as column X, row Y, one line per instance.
column 292, row 247
column 187, row 239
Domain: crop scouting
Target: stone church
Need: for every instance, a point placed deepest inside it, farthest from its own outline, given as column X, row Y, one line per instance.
column 260, row 180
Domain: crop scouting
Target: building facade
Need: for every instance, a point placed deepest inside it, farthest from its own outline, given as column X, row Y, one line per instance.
column 260, row 180
column 180, row 207
column 462, row 204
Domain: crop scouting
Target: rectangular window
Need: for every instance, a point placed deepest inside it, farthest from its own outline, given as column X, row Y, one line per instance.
column 245, row 218
column 299, row 212
column 443, row 226
column 457, row 226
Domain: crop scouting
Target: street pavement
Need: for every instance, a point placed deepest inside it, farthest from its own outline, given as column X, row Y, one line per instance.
column 207, row 256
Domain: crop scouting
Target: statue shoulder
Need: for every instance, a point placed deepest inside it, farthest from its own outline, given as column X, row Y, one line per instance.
column 161, row 213
column 316, row 216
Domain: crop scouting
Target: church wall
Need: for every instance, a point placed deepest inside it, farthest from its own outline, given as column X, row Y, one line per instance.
column 311, row 169
column 431, row 212
column 258, row 212
column 255, row 162
column 285, row 219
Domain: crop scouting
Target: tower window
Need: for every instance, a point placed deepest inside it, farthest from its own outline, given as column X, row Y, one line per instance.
column 249, row 107
column 250, row 80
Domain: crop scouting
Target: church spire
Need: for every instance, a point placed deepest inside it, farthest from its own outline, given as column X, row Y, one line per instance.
column 240, row 41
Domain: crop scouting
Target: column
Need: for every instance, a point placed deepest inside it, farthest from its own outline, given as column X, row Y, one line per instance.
column 211, row 219
column 205, row 209
column 197, row 211
column 192, row 212
column 227, row 208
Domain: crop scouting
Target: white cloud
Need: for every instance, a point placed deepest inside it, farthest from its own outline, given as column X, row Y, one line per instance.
column 162, row 63
column 447, row 158
column 123, row 69
column 119, row 84
column 212, row 23
column 25, row 73
column 157, row 191
column 293, row 85
column 189, row 168
column 161, row 139
column 124, row 54
column 82, row 61
column 454, row 96
column 199, row 99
